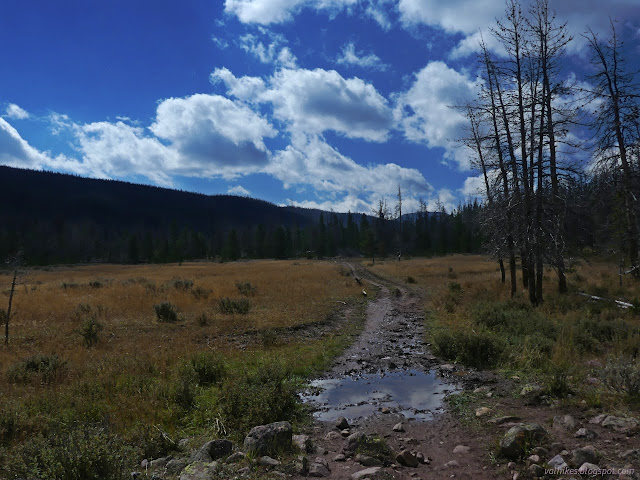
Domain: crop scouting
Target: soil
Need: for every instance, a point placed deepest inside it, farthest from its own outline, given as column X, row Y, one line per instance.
column 392, row 345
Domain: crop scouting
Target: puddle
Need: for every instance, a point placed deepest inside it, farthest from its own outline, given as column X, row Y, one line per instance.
column 414, row 394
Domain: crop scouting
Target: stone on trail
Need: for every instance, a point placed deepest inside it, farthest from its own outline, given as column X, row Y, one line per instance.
column 587, row 468
column 319, row 468
column 199, row 471
column 407, row 459
column 267, row 461
column 235, row 457
column 620, row 424
column 398, row 427
column 269, row 439
column 558, row 462
column 482, row 411
column 520, row 437
column 461, row 449
column 212, row 450
column 303, row 442
column 587, row 454
column 369, row 473
column 342, row 423
column 585, row 433
column 368, row 461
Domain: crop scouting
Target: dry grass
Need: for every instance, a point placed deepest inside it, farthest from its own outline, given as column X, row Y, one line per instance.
column 128, row 376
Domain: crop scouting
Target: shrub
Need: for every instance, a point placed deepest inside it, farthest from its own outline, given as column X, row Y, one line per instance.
column 89, row 331
column 410, row 279
column 473, row 349
column 397, row 292
column 166, row 312
column 66, row 285
column 202, row 320
column 455, row 287
column 47, row 368
column 229, row 305
column 265, row 395
column 246, row 288
column 200, row 293
column 78, row 452
column 623, row 374
column 516, row 319
column 376, row 447
column 181, row 283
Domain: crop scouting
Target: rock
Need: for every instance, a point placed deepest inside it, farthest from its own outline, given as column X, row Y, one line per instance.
column 461, row 449
column 533, row 459
column 451, row 464
column 407, row 458
column 368, row 461
column 212, row 450
column 482, row 389
column 160, row 462
column 536, row 470
column 558, row 462
column 587, row 454
column 630, row 454
column 145, row 463
column 235, row 457
column 519, row 437
column 482, row 411
column 302, row 465
column 342, row 423
column 564, row 422
column 303, row 442
column 512, row 465
column 267, row 461
column 135, row 475
column 340, row 458
column 385, row 410
column 532, row 394
column 447, row 367
column 175, row 466
column 598, row 420
column 504, row 419
column 367, row 473
column 398, row 427
column 353, row 441
column 199, row 471
column 266, row 439
column 244, row 471
column 588, row 469
column 345, row 433
column 620, row 424
column 585, row 433
column 420, row 457
column 593, row 381
column 319, row 468
column 332, row 436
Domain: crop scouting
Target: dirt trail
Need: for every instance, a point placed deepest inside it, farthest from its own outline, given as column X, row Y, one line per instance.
column 388, row 376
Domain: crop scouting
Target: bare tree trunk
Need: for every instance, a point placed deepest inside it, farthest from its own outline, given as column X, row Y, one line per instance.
column 8, row 316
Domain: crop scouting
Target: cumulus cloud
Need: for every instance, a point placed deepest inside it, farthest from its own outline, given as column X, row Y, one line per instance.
column 14, row 112
column 243, row 88
column 337, row 179
column 239, row 190
column 315, row 101
column 370, row 61
column 212, row 135
column 425, row 111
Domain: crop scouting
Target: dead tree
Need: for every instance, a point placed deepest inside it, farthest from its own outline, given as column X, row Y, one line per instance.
column 616, row 123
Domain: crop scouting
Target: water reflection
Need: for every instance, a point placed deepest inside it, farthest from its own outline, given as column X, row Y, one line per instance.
column 412, row 393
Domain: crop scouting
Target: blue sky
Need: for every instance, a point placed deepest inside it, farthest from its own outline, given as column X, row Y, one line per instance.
column 318, row 103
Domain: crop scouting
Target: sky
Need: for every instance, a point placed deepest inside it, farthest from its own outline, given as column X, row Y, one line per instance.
column 330, row 104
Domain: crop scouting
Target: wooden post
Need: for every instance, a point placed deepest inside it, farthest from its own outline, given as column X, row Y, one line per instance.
column 6, row 324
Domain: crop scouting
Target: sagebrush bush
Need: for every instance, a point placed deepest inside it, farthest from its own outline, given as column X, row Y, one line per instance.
column 200, row 293
column 514, row 319
column 230, row 305
column 89, row 331
column 166, row 312
column 43, row 368
column 480, row 350
column 622, row 374
column 180, row 283
column 71, row 453
column 246, row 288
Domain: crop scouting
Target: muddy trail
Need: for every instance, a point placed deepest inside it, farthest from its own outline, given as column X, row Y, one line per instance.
column 388, row 385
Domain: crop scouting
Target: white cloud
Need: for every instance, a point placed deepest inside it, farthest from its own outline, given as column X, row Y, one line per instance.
column 266, row 12
column 212, row 135
column 474, row 187
column 351, row 57
column 470, row 45
column 239, row 190
column 443, row 198
column 338, row 180
column 13, row 111
column 315, row 101
column 425, row 111
column 243, row 88
column 270, row 49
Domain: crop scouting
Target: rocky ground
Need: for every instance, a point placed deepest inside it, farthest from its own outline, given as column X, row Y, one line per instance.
column 500, row 428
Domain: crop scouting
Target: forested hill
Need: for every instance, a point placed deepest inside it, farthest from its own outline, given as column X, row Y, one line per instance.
column 59, row 218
